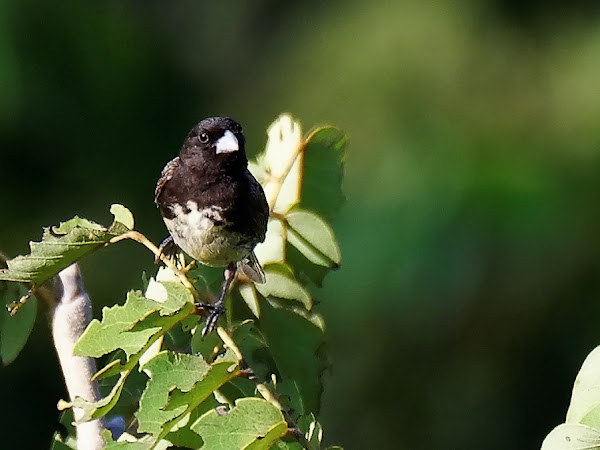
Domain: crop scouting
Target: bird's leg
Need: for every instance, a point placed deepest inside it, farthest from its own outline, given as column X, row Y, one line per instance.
column 218, row 308
column 166, row 247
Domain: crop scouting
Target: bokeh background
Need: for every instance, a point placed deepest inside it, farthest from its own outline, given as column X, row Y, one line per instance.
column 469, row 293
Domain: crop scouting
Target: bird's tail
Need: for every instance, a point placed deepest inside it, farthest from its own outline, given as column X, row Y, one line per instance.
column 250, row 267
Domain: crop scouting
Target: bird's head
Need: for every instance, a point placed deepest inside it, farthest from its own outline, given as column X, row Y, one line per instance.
column 217, row 141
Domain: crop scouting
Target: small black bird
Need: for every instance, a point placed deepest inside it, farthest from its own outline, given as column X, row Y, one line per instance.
column 213, row 207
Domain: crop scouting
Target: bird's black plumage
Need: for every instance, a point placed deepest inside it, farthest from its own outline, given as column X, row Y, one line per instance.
column 213, row 207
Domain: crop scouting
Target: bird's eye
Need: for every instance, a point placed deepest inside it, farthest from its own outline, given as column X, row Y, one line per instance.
column 204, row 138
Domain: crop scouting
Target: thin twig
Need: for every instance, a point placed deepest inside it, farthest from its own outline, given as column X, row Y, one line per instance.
column 228, row 341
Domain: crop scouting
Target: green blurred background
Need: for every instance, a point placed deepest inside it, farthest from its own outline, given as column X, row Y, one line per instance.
column 469, row 290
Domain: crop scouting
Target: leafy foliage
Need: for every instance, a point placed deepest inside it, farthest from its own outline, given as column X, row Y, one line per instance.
column 64, row 244
column 272, row 344
column 61, row 246
column 133, row 328
column 252, row 423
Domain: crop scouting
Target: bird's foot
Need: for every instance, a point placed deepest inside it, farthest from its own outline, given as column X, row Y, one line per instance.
column 167, row 247
column 217, row 310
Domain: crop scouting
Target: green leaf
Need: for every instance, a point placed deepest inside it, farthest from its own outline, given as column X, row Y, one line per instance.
column 122, row 215
column 118, row 326
column 61, row 246
column 15, row 330
column 95, row 410
column 313, row 238
column 133, row 327
column 182, row 435
column 296, row 345
column 253, row 346
column 167, row 371
column 207, row 281
column 220, row 372
column 305, row 270
column 572, row 436
column 207, row 346
column 184, row 399
column 252, row 424
column 323, row 171
column 283, row 285
column 248, row 294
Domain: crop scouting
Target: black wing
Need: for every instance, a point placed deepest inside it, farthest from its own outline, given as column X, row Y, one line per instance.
column 259, row 208
column 165, row 175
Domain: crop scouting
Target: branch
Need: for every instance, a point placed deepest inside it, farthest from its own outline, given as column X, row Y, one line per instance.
column 70, row 317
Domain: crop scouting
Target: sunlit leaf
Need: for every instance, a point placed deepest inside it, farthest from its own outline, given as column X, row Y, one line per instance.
column 272, row 250
column 282, row 163
column 122, row 215
column 61, row 246
column 313, row 238
column 252, row 424
column 572, row 436
column 585, row 400
column 167, row 371
column 118, row 329
column 133, row 328
column 222, row 370
column 248, row 293
column 283, row 285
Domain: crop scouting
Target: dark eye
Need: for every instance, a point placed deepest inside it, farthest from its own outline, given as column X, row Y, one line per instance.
column 204, row 138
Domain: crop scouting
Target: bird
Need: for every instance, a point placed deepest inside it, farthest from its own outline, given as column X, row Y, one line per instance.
column 213, row 207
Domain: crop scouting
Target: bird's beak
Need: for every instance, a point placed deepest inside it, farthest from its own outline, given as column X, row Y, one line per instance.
column 227, row 143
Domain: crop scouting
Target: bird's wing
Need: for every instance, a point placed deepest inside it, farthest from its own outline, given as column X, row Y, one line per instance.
column 259, row 207
column 165, row 175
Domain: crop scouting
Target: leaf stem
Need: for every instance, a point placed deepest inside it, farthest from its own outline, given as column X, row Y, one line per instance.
column 228, row 341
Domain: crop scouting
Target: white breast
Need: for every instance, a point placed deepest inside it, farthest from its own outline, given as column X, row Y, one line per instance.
column 203, row 234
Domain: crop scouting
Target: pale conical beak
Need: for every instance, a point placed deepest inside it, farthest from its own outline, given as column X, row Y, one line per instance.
column 227, row 143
